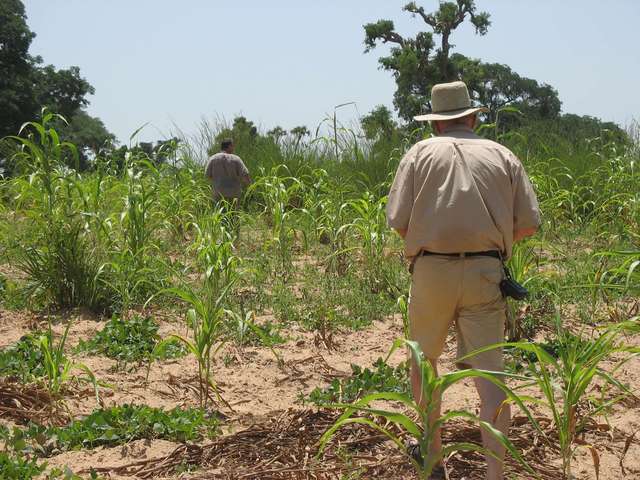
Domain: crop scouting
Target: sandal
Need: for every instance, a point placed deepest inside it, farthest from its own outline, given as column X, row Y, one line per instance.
column 438, row 473
column 413, row 450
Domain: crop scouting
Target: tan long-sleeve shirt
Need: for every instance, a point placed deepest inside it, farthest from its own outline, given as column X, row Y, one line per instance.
column 461, row 193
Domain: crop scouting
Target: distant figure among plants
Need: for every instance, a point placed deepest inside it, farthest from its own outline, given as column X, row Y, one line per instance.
column 460, row 202
column 227, row 173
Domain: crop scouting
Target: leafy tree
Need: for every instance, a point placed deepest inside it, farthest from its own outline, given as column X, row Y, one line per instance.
column 88, row 134
column 379, row 123
column 145, row 148
column 161, row 152
column 277, row 133
column 300, row 132
column 245, row 127
column 243, row 132
column 383, row 132
column 497, row 86
column 17, row 100
column 61, row 91
column 445, row 20
column 26, row 85
column 415, row 62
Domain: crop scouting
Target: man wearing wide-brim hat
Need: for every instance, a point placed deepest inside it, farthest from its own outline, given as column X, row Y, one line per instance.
column 460, row 202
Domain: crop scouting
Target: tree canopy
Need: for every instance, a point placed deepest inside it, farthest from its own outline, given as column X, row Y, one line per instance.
column 27, row 85
column 496, row 86
column 378, row 123
column 88, row 133
column 417, row 64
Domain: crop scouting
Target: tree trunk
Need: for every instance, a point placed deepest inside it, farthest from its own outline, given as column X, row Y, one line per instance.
column 445, row 55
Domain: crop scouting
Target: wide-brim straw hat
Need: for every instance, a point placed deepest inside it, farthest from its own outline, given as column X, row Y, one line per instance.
column 449, row 101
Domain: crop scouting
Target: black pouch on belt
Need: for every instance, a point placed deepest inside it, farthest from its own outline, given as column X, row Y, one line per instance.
column 510, row 288
column 413, row 264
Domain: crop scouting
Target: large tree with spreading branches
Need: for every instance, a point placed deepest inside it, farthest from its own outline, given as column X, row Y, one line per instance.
column 417, row 63
column 27, row 85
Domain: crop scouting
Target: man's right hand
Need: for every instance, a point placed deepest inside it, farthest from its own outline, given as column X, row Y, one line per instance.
column 524, row 233
column 402, row 232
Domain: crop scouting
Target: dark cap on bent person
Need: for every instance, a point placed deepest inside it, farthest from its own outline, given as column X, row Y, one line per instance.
column 450, row 101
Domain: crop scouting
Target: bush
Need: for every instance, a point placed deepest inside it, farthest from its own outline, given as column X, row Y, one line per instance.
column 18, row 467
column 362, row 382
column 123, row 424
column 131, row 340
column 23, row 360
column 63, row 267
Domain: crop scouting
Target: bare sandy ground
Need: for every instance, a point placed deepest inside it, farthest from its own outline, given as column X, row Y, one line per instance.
column 257, row 388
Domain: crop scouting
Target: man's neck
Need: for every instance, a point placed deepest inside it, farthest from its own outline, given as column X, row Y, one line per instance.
column 456, row 128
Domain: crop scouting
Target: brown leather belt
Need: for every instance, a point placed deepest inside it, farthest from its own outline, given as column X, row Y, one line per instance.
column 489, row 253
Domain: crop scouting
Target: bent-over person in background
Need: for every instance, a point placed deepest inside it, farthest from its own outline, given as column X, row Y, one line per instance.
column 228, row 176
column 460, row 202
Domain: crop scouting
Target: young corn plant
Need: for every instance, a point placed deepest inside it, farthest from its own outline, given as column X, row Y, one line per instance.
column 135, row 267
column 205, row 316
column 278, row 194
column 325, row 214
column 564, row 382
column 214, row 251
column 42, row 154
column 370, row 225
column 57, row 250
column 403, row 305
column 242, row 325
column 183, row 193
column 523, row 260
column 57, row 366
column 625, row 277
column 332, row 228
column 423, row 431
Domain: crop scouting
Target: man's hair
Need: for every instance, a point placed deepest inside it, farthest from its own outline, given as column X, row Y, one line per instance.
column 226, row 143
column 454, row 121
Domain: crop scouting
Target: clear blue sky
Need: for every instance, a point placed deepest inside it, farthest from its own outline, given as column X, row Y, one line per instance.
column 288, row 62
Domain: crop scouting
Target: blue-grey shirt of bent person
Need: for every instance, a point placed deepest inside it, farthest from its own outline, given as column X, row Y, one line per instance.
column 228, row 174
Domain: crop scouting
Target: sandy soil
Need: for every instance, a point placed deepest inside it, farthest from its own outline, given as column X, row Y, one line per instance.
column 257, row 388
column 13, row 325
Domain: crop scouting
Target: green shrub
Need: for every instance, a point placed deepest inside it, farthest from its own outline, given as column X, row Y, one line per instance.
column 12, row 295
column 63, row 266
column 382, row 378
column 23, row 360
column 123, row 424
column 18, row 467
column 42, row 358
column 131, row 340
column 15, row 464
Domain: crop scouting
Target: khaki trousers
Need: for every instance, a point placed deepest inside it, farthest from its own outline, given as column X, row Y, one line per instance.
column 461, row 291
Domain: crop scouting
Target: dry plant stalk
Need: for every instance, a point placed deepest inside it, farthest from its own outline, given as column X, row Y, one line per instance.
column 284, row 447
column 29, row 403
